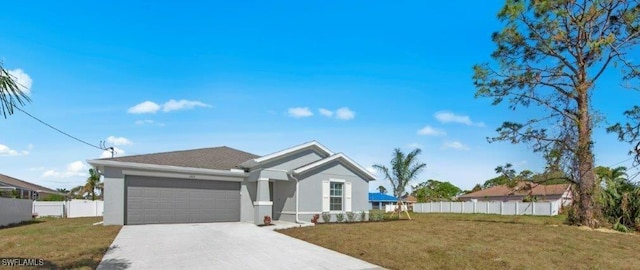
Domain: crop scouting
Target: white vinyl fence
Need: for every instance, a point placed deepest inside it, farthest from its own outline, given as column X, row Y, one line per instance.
column 14, row 210
column 70, row 209
column 392, row 207
column 501, row 208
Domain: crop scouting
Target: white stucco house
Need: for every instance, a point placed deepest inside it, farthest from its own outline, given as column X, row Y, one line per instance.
column 223, row 184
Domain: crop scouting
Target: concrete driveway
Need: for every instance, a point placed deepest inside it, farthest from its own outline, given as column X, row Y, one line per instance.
column 218, row 246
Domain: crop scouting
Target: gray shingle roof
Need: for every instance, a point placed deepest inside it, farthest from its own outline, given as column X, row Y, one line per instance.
column 217, row 158
column 14, row 182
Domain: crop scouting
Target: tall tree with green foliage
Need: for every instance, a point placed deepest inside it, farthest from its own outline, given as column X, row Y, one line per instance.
column 93, row 183
column 10, row 93
column 382, row 189
column 434, row 190
column 404, row 169
column 549, row 56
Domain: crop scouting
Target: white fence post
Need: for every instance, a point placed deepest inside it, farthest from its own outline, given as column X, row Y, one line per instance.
column 501, row 208
column 517, row 208
column 440, row 207
column 474, row 206
column 533, row 208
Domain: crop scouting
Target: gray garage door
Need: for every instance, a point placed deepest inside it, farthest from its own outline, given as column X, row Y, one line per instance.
column 166, row 200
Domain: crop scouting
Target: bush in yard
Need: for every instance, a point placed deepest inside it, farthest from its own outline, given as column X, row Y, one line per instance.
column 391, row 217
column 326, row 217
column 372, row 216
column 351, row 217
column 363, row 216
column 340, row 217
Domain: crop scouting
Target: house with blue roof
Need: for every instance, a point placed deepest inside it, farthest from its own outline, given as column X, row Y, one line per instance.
column 379, row 200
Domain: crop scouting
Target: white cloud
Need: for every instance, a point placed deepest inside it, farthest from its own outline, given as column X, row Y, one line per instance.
column 117, row 152
column 22, row 79
column 183, row 104
column 430, row 131
column 449, row 117
column 76, row 168
column 118, row 140
column 300, row 112
column 455, row 145
column 325, row 112
column 148, row 122
column 345, row 113
column 7, row 151
column 144, row 107
column 169, row 106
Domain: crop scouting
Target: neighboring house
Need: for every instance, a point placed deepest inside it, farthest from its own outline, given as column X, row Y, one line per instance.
column 23, row 189
column 223, row 184
column 560, row 193
column 410, row 201
column 380, row 200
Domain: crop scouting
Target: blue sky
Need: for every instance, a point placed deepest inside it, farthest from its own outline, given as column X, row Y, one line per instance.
column 361, row 78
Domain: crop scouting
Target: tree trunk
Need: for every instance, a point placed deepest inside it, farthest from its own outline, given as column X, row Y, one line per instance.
column 588, row 210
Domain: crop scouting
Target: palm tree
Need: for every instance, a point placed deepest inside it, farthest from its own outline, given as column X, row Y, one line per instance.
column 62, row 190
column 77, row 192
column 10, row 93
column 382, row 189
column 93, row 182
column 404, row 169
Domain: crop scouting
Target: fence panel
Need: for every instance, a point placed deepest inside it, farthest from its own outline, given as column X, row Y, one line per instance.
column 495, row 208
column 84, row 208
column 525, row 208
column 14, row 210
column 48, row 209
column 482, row 207
column 456, row 207
column 468, row 207
column 70, row 209
column 499, row 208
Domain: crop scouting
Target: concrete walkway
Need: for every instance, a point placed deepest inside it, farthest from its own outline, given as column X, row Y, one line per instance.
column 218, row 246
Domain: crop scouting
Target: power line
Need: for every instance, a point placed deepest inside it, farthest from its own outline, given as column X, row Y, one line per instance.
column 58, row 130
column 621, row 162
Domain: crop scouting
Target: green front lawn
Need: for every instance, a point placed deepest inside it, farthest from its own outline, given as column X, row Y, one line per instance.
column 62, row 243
column 474, row 241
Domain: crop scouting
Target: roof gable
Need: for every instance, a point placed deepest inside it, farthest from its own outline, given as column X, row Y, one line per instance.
column 216, row 158
column 14, row 182
column 344, row 160
column 320, row 149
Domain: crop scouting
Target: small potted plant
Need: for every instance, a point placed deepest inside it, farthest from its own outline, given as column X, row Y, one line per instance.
column 315, row 218
column 267, row 220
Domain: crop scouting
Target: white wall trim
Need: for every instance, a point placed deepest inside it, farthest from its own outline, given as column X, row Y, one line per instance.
column 164, row 168
column 341, row 157
column 256, row 203
column 294, row 149
column 182, row 175
column 335, row 180
column 263, row 179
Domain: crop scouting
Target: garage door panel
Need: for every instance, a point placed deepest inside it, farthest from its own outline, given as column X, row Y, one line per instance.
column 165, row 200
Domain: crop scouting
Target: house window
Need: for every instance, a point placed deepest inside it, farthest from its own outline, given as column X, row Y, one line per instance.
column 335, row 192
